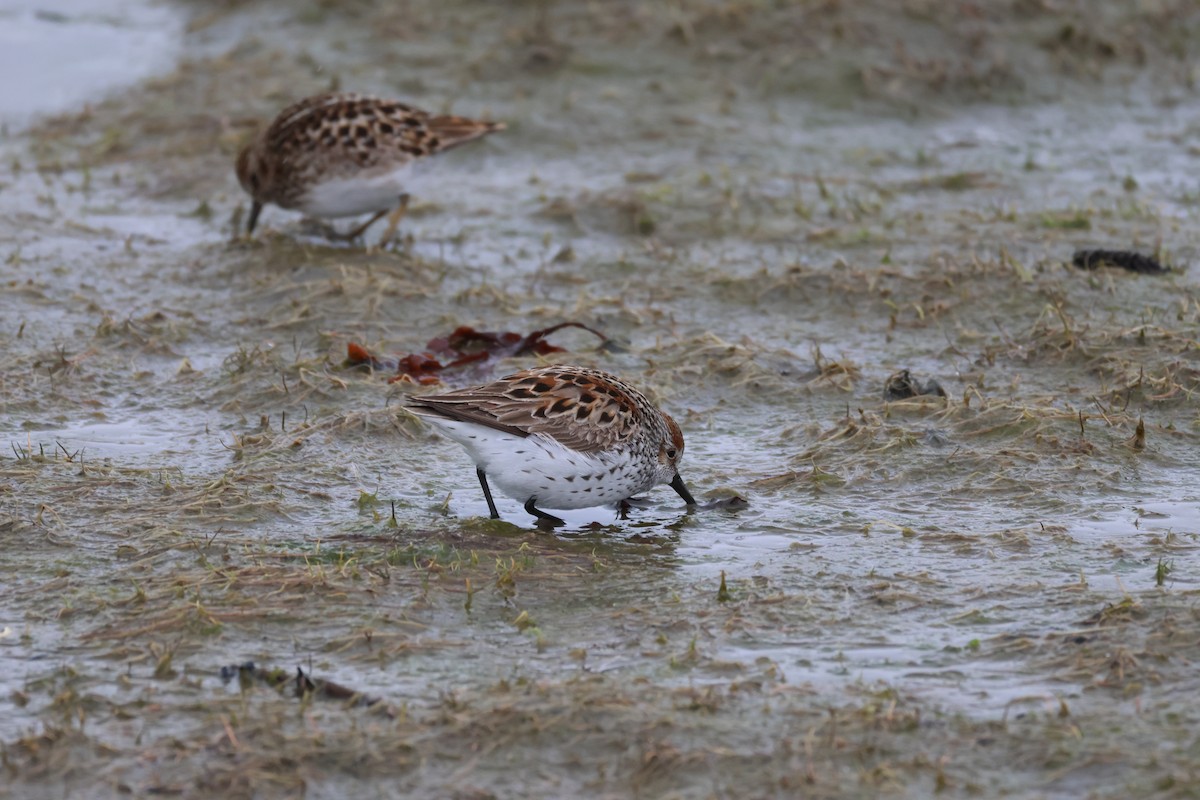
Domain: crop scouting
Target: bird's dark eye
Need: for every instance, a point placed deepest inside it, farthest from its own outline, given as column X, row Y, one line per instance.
column 672, row 452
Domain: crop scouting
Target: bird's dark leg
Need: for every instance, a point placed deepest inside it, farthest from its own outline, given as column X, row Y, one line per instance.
column 542, row 515
column 359, row 231
column 623, row 510
column 394, row 220
column 682, row 490
column 487, row 492
column 255, row 209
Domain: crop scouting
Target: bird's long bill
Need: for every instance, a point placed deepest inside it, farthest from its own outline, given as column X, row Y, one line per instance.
column 682, row 490
column 255, row 209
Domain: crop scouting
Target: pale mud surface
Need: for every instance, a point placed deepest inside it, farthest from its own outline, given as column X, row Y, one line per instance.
column 773, row 208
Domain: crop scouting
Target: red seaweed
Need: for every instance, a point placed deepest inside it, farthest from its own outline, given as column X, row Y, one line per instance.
column 465, row 345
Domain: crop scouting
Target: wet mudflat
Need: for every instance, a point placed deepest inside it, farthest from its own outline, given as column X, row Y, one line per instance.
column 772, row 211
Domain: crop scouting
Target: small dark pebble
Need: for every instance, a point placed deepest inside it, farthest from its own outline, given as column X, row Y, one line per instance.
column 902, row 385
column 231, row 671
column 303, row 684
column 1125, row 259
column 733, row 503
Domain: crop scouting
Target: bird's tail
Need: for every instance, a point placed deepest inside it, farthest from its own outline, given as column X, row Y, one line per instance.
column 453, row 131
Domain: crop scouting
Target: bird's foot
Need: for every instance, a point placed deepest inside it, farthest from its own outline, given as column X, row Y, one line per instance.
column 544, row 520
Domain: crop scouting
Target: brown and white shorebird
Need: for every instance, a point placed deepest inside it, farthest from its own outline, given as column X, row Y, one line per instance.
column 561, row 437
column 341, row 155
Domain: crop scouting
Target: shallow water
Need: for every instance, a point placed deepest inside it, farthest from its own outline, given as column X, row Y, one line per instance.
column 109, row 47
column 918, row 592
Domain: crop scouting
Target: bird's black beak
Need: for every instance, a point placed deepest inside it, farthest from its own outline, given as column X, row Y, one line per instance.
column 255, row 209
column 682, row 490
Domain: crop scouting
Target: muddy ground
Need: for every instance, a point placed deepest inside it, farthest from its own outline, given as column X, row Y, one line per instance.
column 771, row 208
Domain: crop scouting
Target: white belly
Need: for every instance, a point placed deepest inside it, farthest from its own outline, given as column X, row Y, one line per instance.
column 538, row 467
column 357, row 194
